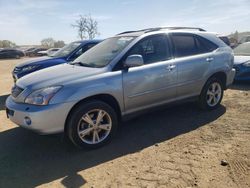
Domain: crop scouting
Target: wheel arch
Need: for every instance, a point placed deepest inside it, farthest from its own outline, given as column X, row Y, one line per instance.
column 222, row 76
column 107, row 98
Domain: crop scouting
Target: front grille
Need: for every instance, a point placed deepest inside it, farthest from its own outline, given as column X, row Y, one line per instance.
column 17, row 69
column 15, row 91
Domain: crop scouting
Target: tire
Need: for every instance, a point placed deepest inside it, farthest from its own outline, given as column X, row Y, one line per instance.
column 82, row 126
column 17, row 56
column 211, row 94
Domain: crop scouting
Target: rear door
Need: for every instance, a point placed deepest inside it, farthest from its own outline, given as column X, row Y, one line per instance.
column 154, row 82
column 193, row 55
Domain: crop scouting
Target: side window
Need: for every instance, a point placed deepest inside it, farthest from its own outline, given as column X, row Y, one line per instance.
column 152, row 49
column 204, row 45
column 185, row 45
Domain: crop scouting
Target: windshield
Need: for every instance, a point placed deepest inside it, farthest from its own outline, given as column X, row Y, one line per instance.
column 103, row 53
column 66, row 50
column 243, row 49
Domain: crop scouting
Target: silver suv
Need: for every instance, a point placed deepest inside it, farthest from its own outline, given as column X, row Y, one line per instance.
column 125, row 74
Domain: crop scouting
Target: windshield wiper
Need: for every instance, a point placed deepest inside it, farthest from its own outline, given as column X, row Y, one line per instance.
column 82, row 64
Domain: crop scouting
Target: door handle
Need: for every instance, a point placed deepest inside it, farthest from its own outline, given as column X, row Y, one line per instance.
column 209, row 59
column 170, row 67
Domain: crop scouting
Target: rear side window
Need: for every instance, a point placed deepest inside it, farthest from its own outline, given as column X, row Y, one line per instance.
column 152, row 49
column 204, row 45
column 184, row 45
column 188, row 45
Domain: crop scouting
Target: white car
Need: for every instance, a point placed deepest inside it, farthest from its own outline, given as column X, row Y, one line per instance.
column 49, row 51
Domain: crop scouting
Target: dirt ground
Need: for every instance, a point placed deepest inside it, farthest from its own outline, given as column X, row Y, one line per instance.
column 179, row 146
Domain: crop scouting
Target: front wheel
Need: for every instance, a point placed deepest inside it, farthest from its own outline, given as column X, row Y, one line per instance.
column 92, row 124
column 211, row 95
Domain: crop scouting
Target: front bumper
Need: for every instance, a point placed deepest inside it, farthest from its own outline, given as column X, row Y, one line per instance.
column 44, row 119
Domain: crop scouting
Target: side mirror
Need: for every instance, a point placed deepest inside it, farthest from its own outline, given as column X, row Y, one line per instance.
column 134, row 61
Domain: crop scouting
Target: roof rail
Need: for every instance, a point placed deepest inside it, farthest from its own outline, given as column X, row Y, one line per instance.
column 161, row 28
column 174, row 28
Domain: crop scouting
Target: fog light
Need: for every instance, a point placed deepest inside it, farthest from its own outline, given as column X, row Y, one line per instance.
column 27, row 121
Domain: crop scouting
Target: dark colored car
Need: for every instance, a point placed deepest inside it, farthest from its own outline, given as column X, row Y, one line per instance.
column 67, row 54
column 11, row 53
column 34, row 52
column 242, row 62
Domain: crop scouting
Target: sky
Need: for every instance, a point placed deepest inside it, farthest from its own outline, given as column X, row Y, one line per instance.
column 30, row 21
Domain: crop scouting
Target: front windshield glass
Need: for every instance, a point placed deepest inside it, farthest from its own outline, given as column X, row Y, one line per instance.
column 243, row 49
column 66, row 50
column 103, row 53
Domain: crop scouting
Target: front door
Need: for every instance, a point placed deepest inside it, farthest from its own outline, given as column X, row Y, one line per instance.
column 154, row 82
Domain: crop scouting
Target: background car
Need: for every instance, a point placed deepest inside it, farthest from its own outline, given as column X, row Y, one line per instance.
column 244, row 39
column 11, row 53
column 34, row 52
column 49, row 52
column 29, row 50
column 242, row 62
column 66, row 54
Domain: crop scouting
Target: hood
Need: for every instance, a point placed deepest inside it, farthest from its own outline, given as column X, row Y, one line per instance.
column 57, row 75
column 43, row 60
column 241, row 59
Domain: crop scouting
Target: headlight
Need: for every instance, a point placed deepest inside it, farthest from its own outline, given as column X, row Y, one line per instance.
column 246, row 64
column 29, row 68
column 42, row 96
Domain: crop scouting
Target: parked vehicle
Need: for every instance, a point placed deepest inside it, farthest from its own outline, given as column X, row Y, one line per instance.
column 66, row 54
column 11, row 53
column 244, row 39
column 35, row 52
column 121, row 76
column 242, row 62
column 29, row 49
column 49, row 52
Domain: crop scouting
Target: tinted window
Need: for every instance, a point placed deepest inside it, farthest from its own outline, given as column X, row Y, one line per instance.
column 184, row 45
column 204, row 45
column 152, row 49
column 187, row 45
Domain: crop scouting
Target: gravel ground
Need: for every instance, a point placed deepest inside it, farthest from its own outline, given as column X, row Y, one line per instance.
column 179, row 146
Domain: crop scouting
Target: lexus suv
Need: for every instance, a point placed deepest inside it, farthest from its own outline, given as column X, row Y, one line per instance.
column 130, row 72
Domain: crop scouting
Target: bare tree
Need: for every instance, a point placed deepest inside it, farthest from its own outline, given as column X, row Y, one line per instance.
column 86, row 27
column 59, row 44
column 48, row 42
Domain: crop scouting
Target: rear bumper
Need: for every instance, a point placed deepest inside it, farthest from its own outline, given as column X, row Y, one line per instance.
column 230, row 77
column 44, row 119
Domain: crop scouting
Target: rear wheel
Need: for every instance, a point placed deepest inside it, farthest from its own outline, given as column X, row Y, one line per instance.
column 92, row 124
column 17, row 56
column 212, row 94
